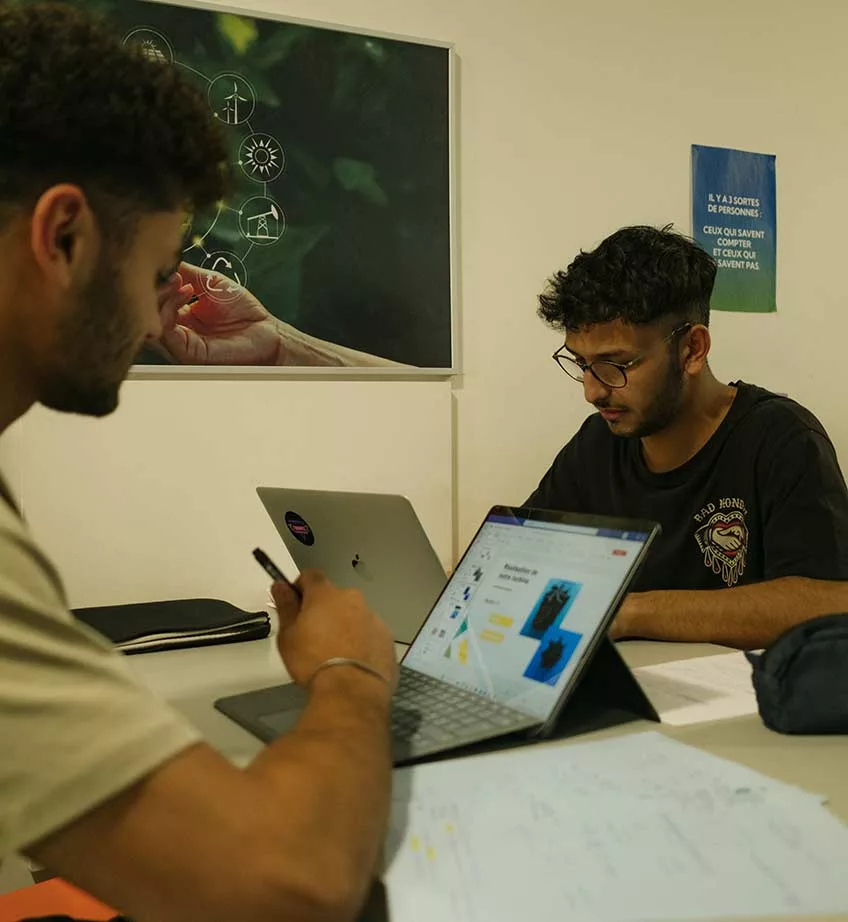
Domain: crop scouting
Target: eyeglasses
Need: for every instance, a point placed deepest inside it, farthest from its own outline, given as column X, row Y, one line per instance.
column 610, row 374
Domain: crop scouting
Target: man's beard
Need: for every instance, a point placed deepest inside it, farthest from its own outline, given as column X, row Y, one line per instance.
column 96, row 345
column 663, row 409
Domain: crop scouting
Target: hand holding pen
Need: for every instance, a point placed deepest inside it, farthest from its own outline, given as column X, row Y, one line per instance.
column 330, row 626
column 274, row 571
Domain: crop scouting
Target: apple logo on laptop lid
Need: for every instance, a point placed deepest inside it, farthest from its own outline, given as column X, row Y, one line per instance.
column 362, row 570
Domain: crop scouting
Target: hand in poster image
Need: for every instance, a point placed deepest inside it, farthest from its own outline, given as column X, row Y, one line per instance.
column 235, row 328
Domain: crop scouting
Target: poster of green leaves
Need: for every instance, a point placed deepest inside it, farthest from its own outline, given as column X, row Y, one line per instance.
column 339, row 233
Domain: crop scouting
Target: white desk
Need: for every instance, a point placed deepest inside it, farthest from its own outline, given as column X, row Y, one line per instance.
column 817, row 763
column 191, row 680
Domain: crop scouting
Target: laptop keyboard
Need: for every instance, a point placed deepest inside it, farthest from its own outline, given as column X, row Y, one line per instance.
column 429, row 714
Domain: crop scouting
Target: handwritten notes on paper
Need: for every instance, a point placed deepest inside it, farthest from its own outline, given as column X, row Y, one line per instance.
column 627, row 829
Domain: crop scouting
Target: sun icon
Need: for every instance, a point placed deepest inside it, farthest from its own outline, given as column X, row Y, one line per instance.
column 261, row 157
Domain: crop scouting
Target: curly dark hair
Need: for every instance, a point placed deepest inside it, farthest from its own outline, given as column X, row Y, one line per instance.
column 639, row 275
column 79, row 106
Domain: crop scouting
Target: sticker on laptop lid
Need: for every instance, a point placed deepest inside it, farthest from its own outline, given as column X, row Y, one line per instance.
column 299, row 527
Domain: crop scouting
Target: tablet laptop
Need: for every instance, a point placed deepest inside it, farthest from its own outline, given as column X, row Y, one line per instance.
column 506, row 642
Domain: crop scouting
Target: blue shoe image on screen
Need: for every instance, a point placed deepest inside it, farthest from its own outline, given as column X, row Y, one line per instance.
column 551, row 608
column 552, row 656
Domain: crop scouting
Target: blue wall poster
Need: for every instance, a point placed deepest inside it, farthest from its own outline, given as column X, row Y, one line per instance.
column 734, row 218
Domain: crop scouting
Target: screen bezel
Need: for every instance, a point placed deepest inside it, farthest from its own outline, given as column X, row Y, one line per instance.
column 522, row 514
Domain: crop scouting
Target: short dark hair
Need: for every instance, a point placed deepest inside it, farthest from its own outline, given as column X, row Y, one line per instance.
column 78, row 105
column 639, row 275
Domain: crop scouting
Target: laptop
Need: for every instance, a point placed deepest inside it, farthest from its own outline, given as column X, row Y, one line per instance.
column 508, row 639
column 373, row 542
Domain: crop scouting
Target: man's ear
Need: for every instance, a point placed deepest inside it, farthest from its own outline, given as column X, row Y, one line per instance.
column 62, row 233
column 695, row 348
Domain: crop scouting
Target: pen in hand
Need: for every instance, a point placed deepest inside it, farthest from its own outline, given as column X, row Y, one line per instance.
column 274, row 571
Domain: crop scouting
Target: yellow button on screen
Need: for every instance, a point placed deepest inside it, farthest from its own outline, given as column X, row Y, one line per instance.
column 492, row 636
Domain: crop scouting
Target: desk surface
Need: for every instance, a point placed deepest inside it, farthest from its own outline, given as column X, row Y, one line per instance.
column 192, row 679
column 817, row 763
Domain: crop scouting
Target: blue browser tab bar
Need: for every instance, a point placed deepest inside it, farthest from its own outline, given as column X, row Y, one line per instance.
column 562, row 527
column 615, row 533
column 622, row 535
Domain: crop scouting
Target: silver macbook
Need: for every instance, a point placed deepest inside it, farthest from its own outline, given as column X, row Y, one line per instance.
column 369, row 541
column 508, row 639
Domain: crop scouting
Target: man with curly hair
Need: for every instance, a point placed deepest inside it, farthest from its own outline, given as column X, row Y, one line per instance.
column 103, row 152
column 745, row 483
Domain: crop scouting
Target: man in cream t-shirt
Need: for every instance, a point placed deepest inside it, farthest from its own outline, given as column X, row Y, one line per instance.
column 75, row 726
column 104, row 152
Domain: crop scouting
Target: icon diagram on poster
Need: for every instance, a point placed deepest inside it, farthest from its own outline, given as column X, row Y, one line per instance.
column 262, row 220
column 249, row 221
column 231, row 99
column 154, row 45
column 227, row 277
column 261, row 158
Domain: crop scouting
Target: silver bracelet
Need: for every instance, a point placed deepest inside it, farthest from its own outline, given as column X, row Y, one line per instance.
column 347, row 661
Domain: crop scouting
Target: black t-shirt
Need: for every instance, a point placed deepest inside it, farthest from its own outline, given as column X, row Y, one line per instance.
column 763, row 499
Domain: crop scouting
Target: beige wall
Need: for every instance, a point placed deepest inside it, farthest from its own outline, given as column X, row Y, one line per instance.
column 158, row 500
column 577, row 119
column 574, row 119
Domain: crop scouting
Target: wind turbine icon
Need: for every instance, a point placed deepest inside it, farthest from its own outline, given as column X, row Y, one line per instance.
column 231, row 105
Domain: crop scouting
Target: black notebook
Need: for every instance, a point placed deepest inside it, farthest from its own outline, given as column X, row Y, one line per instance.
column 149, row 627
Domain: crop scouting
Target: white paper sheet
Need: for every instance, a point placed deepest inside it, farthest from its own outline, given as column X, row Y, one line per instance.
column 697, row 690
column 632, row 829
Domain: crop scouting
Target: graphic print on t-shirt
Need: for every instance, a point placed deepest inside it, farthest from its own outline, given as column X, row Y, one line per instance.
column 723, row 538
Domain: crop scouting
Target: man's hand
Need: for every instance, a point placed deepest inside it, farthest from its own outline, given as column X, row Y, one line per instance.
column 330, row 622
column 227, row 325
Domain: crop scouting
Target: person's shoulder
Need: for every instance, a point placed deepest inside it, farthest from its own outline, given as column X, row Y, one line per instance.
column 10, row 518
column 26, row 572
column 13, row 530
column 775, row 416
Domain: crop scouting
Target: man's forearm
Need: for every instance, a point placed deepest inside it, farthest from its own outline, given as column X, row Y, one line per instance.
column 747, row 617
column 300, row 349
column 338, row 757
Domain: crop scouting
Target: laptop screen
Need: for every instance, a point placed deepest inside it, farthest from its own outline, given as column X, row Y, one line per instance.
column 522, row 607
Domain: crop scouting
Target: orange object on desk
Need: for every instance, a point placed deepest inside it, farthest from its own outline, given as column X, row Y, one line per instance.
column 52, row 898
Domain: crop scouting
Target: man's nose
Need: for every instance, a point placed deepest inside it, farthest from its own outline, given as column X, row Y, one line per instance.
column 593, row 389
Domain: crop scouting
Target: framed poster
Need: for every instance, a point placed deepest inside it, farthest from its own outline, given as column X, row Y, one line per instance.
column 339, row 238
